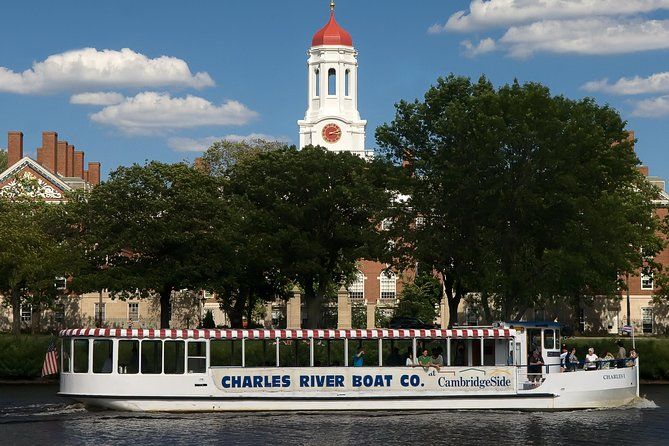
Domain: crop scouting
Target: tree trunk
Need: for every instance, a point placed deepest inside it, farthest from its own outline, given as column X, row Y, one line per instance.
column 314, row 302
column 36, row 319
column 16, row 311
column 453, row 299
column 165, row 307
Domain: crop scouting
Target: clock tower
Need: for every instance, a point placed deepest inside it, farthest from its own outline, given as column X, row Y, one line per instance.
column 332, row 119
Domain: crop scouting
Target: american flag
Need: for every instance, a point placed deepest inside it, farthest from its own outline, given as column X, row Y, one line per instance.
column 50, row 366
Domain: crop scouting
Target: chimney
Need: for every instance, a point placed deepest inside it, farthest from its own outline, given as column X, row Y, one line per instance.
column 61, row 158
column 94, row 173
column 78, row 164
column 14, row 147
column 49, row 148
column 69, row 172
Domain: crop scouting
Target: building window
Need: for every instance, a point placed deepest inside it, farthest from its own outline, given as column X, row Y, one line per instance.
column 347, row 82
column 388, row 285
column 133, row 311
column 26, row 313
column 647, row 320
column 356, row 290
column 59, row 313
column 646, row 281
column 100, row 312
column 317, row 79
column 420, row 221
column 332, row 81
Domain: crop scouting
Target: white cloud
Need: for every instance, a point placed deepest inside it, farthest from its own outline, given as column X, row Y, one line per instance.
column 181, row 144
column 502, row 13
column 151, row 112
column 655, row 83
column 89, row 68
column 652, row 108
column 97, row 98
column 586, row 36
column 484, row 46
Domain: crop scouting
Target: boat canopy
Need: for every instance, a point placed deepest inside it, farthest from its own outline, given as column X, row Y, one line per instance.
column 289, row 334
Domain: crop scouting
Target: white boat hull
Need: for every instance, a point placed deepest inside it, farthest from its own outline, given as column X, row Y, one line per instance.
column 198, row 393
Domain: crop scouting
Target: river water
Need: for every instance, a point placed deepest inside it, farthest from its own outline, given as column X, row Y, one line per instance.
column 34, row 415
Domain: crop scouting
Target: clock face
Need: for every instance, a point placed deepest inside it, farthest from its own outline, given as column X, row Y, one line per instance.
column 331, row 133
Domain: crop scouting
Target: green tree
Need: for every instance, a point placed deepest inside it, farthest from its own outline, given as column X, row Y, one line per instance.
column 32, row 254
column 222, row 155
column 523, row 196
column 3, row 160
column 420, row 298
column 150, row 230
column 317, row 212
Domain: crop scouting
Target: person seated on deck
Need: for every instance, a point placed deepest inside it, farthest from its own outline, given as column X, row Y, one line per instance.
column 424, row 360
column 107, row 365
column 437, row 361
column 535, row 363
column 460, row 355
column 591, row 360
column 358, row 358
column 394, row 359
column 632, row 359
column 622, row 355
column 410, row 361
column 572, row 360
column 607, row 360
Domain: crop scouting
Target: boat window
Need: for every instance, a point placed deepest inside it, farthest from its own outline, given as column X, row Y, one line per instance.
column 260, row 353
column 533, row 340
column 328, row 352
column 458, row 352
column 81, row 356
column 294, row 353
column 549, row 339
column 151, row 357
column 396, row 352
column 370, row 357
column 67, row 355
column 174, row 357
column 489, row 352
column 225, row 353
column 103, row 357
column 197, row 357
column 128, row 357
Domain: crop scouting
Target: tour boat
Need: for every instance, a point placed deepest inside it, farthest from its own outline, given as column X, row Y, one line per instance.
column 322, row 370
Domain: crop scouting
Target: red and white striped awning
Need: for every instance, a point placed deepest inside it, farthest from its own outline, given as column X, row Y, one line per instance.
column 289, row 334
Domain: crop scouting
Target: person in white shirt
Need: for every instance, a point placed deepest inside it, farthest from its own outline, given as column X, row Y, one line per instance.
column 591, row 359
column 410, row 362
column 563, row 358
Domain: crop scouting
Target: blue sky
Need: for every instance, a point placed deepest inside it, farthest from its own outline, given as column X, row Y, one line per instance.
column 196, row 70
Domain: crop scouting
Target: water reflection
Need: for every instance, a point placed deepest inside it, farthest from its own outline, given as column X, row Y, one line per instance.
column 44, row 421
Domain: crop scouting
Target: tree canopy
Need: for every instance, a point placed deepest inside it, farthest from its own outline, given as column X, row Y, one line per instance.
column 517, row 194
column 3, row 160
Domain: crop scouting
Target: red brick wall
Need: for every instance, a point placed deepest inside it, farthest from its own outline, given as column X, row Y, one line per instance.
column 78, row 164
column 14, row 147
column 70, row 161
column 94, row 173
column 49, row 150
column 61, row 158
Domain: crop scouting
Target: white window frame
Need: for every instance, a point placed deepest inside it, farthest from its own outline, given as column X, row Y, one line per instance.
column 356, row 290
column 645, row 279
column 647, row 313
column 388, row 285
column 26, row 313
column 96, row 311
column 136, row 304
column 386, row 224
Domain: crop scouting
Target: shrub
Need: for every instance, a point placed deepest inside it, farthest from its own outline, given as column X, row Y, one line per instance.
column 21, row 357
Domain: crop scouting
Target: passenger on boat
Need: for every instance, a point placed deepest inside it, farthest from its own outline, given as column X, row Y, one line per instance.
column 410, row 362
column 563, row 358
column 394, row 358
column 424, row 360
column 437, row 361
column 572, row 360
column 607, row 360
column 536, row 361
column 358, row 358
column 460, row 355
column 632, row 359
column 107, row 365
column 622, row 354
column 591, row 360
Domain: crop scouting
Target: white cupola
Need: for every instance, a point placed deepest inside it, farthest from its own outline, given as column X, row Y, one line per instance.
column 332, row 119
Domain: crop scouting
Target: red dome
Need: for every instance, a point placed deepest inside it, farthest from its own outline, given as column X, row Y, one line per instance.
column 332, row 34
